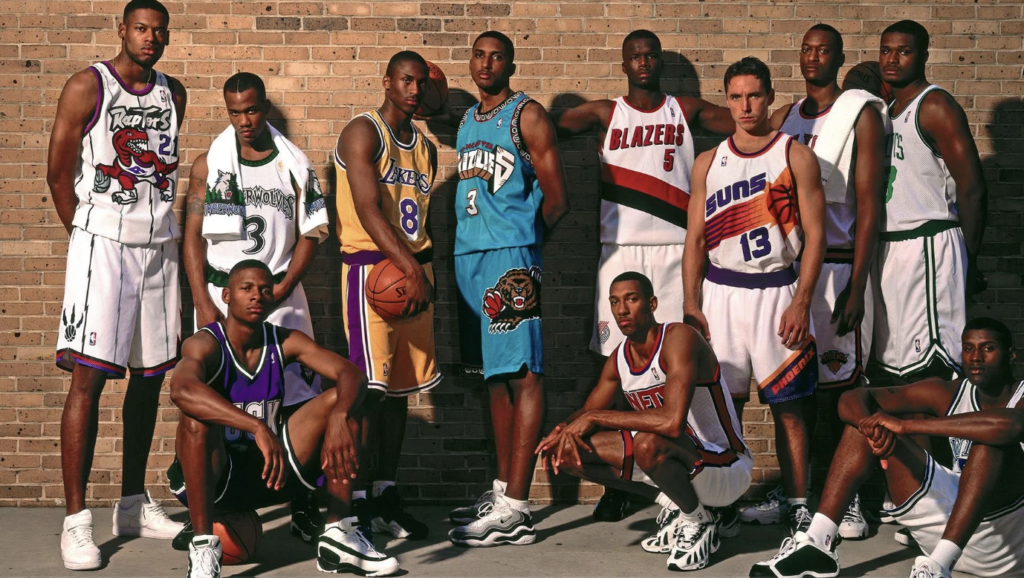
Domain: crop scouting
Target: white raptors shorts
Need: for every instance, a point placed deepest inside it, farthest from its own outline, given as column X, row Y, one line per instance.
column 122, row 306
column 995, row 549
column 662, row 264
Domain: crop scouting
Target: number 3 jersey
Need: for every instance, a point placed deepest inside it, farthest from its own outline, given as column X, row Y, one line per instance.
column 752, row 221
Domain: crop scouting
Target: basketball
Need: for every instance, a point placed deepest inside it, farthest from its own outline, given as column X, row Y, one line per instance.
column 782, row 204
column 867, row 76
column 240, row 534
column 385, row 290
column 437, row 92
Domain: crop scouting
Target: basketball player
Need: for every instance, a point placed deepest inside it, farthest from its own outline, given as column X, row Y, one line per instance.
column 385, row 169
column 682, row 436
column 511, row 189
column 113, row 171
column 235, row 451
column 283, row 231
column 755, row 201
column 968, row 518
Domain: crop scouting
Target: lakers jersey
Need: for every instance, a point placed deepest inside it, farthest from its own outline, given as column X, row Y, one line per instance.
column 646, row 158
column 127, row 174
column 406, row 175
column 966, row 401
column 752, row 220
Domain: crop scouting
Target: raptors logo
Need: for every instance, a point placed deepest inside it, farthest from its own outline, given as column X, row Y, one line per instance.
column 71, row 325
column 513, row 299
column 834, row 360
column 133, row 164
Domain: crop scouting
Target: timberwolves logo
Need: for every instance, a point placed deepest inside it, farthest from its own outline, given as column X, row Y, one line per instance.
column 513, row 299
column 71, row 326
column 834, row 360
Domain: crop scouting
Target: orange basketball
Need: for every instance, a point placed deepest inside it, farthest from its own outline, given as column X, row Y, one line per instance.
column 868, row 76
column 385, row 290
column 240, row 534
column 437, row 92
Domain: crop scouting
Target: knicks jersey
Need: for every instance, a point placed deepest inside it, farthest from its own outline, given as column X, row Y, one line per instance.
column 127, row 174
column 406, row 175
column 498, row 200
column 752, row 220
column 967, row 402
column 921, row 188
column 840, row 218
column 646, row 158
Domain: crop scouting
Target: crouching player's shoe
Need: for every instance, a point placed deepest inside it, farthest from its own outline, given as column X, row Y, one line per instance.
column 204, row 555
column 140, row 516
column 343, row 548
column 392, row 517
column 925, row 567
column 503, row 525
column 661, row 542
column 307, row 522
column 695, row 542
column 800, row 556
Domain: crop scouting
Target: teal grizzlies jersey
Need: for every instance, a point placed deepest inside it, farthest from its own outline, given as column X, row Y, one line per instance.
column 498, row 199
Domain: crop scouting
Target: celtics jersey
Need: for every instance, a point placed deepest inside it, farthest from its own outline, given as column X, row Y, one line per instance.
column 966, row 401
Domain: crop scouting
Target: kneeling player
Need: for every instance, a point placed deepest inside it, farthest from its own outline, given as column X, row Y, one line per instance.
column 233, row 451
column 682, row 437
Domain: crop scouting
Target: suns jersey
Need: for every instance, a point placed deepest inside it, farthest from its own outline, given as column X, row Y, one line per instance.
column 752, row 222
column 406, row 175
column 921, row 188
column 127, row 173
column 646, row 158
column 966, row 401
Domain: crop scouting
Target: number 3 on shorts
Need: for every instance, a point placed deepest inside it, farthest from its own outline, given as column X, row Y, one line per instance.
column 410, row 218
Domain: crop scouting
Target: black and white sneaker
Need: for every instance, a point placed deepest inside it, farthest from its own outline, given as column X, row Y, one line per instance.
column 468, row 514
column 612, row 506
column 903, row 537
column 853, row 526
column 695, row 542
column 728, row 521
column 184, row 537
column 798, row 519
column 343, row 548
column 363, row 512
column 307, row 522
column 503, row 525
column 204, row 555
column 661, row 542
column 800, row 556
column 390, row 516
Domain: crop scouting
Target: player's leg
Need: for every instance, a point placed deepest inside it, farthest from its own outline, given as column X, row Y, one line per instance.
column 528, row 403
column 793, row 446
column 611, row 463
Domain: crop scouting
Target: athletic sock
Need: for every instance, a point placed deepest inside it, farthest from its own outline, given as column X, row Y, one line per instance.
column 202, row 537
column 797, row 501
column 665, row 502
column 946, row 554
column 697, row 516
column 358, row 495
column 823, row 530
column 521, row 505
column 499, row 487
column 379, row 486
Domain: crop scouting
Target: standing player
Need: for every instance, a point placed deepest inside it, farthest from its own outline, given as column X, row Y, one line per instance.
column 113, row 170
column 754, row 202
column 511, row 188
column 385, row 169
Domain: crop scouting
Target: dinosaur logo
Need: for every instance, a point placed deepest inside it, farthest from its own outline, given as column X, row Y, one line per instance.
column 134, row 164
column 513, row 299
column 71, row 326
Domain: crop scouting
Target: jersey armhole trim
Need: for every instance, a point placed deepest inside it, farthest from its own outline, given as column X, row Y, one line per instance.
column 280, row 353
column 789, row 167
column 516, row 134
column 956, row 398
column 100, row 97
column 917, row 120
column 220, row 347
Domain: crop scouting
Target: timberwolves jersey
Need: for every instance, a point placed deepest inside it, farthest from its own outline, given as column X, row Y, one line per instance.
column 751, row 213
column 406, row 175
column 498, row 196
column 966, row 401
column 646, row 158
column 921, row 189
column 128, row 171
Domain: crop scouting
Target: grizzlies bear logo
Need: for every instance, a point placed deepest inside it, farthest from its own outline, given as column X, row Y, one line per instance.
column 513, row 299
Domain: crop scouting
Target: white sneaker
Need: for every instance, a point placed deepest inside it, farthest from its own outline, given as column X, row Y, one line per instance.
column 694, row 544
column 853, row 526
column 503, row 525
column 769, row 511
column 140, row 516
column 77, row 548
column 468, row 514
column 204, row 555
column 884, row 516
column 925, row 567
column 661, row 542
column 799, row 556
column 343, row 548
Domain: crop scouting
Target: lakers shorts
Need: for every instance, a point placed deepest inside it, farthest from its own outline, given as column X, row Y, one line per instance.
column 743, row 312
column 122, row 306
column 662, row 264
column 499, row 310
column 398, row 356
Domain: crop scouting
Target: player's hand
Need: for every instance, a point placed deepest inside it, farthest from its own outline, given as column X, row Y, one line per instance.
column 281, row 292
column 339, row 458
column 795, row 326
column 894, row 424
column 882, row 442
column 695, row 318
column 976, row 281
column 849, row 310
column 275, row 470
column 207, row 313
column 549, row 440
column 418, row 294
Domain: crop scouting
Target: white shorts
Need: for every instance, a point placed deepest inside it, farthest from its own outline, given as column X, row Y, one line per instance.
column 122, row 306
column 995, row 549
column 920, row 309
column 662, row 264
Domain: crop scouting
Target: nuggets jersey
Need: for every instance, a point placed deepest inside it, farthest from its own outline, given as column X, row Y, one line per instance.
column 751, row 212
column 406, row 175
column 921, row 188
column 646, row 158
column 966, row 401
column 128, row 170
column 840, row 218
column 498, row 200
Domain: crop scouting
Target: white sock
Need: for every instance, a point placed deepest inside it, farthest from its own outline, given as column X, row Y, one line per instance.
column 797, row 501
column 127, row 501
column 521, row 505
column 209, row 537
column 946, row 554
column 358, row 495
column 698, row 516
column 379, row 486
column 499, row 487
column 665, row 502
column 823, row 530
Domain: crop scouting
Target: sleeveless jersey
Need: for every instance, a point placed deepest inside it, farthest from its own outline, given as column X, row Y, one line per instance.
column 127, row 174
column 712, row 416
column 966, row 401
column 921, row 189
column 840, row 218
column 259, row 393
column 646, row 158
column 498, row 200
column 406, row 175
column 751, row 212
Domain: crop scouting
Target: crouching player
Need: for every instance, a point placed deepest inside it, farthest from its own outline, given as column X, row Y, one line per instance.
column 680, row 446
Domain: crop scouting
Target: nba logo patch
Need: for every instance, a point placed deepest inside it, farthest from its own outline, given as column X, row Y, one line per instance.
column 724, row 160
column 92, row 338
column 917, row 345
column 385, row 370
column 499, row 122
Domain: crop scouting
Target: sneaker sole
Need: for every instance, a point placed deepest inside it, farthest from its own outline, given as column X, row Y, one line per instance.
column 384, row 527
column 82, row 565
column 852, row 534
column 354, row 569
column 904, row 539
column 143, row 533
column 297, row 531
column 497, row 539
column 655, row 549
column 715, row 545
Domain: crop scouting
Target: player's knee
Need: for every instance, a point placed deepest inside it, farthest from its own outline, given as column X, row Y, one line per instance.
column 650, row 451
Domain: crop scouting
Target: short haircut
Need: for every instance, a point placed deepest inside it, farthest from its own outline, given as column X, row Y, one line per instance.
column 404, row 56
column 642, row 34
column 646, row 288
column 833, row 32
column 145, row 5
column 918, row 32
column 749, row 66
column 249, row 264
column 243, row 81
column 509, row 49
column 996, row 327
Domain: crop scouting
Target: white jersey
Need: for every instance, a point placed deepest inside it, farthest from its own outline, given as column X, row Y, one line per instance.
column 921, row 189
column 128, row 171
column 646, row 158
column 751, row 212
column 966, row 401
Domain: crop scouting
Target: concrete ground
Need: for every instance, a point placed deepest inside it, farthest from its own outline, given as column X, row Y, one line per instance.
column 569, row 543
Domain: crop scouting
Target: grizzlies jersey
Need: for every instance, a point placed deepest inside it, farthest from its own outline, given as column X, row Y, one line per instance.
column 646, row 158
column 498, row 200
column 406, row 175
column 966, row 401
column 921, row 188
column 752, row 220
column 128, row 170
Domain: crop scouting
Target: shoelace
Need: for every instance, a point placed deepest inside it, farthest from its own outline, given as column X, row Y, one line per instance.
column 81, row 536
column 788, row 545
column 923, row 572
column 155, row 510
column 484, row 509
column 853, row 514
column 664, row 516
column 801, row 516
column 686, row 533
column 773, row 499
column 367, row 544
column 208, row 561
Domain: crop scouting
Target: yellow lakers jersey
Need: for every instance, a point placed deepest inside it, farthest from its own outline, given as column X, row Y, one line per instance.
column 406, row 175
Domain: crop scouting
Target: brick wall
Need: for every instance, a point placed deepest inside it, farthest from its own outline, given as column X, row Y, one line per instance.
column 322, row 62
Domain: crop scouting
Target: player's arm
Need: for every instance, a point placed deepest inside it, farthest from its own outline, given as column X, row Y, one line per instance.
column 778, row 118
column 706, row 115
column 539, row 138
column 75, row 110
column 695, row 252
column 582, row 118
column 302, row 257
column 193, row 245
column 601, row 397
column 930, row 397
column 994, row 427
column 180, row 96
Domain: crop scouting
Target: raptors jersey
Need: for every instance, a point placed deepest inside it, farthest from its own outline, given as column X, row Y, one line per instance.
column 921, row 189
column 406, row 175
column 839, row 217
column 750, row 211
column 966, row 401
column 646, row 159
column 128, row 170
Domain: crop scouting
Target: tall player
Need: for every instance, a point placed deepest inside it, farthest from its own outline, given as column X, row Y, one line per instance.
column 113, row 170
column 385, row 169
column 511, row 188
column 755, row 201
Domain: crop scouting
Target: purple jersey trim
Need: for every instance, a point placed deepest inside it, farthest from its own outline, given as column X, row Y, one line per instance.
column 781, row 278
column 99, row 102
column 143, row 92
